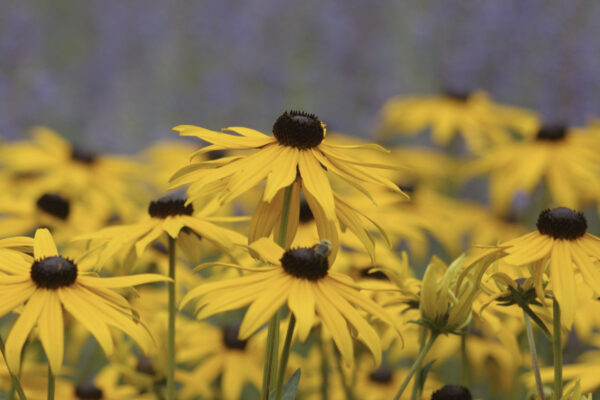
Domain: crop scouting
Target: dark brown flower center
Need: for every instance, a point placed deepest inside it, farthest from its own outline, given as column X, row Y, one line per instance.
column 88, row 391
column 298, row 129
column 452, row 392
column 456, row 94
column 55, row 205
column 562, row 223
column 83, row 156
column 169, row 207
column 53, row 272
column 381, row 375
column 307, row 263
column 230, row 338
column 552, row 133
column 367, row 273
column 306, row 214
column 144, row 366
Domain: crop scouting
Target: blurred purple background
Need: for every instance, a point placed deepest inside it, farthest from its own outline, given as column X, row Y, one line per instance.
column 117, row 75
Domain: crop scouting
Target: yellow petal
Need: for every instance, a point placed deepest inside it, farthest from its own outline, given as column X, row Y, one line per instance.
column 284, row 174
column 51, row 331
column 563, row 281
column 43, row 244
column 20, row 330
column 268, row 250
column 336, row 325
column 316, row 182
column 121, row 281
column 301, row 301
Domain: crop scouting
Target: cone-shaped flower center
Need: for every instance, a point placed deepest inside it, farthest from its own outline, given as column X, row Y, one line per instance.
column 306, row 263
column 88, row 391
column 230, row 338
column 306, row 214
column 298, row 129
column 83, row 156
column 562, row 223
column 55, row 205
column 53, row 272
column 169, row 207
column 452, row 392
column 144, row 366
column 552, row 133
column 381, row 375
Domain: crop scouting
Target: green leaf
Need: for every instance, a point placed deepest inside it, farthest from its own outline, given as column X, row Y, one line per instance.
column 423, row 375
column 290, row 388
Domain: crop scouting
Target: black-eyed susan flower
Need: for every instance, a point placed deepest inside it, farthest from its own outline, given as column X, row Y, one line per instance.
column 473, row 115
column 222, row 354
column 104, row 184
column 562, row 248
column 107, row 384
column 452, row 392
column 47, row 283
column 565, row 159
column 296, row 153
column 166, row 217
column 301, row 278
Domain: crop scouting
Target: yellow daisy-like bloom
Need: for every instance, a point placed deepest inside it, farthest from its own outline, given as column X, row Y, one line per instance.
column 474, row 116
column 47, row 283
column 166, row 216
column 562, row 245
column 223, row 354
column 565, row 159
column 107, row 385
column 297, row 152
column 302, row 279
column 104, row 184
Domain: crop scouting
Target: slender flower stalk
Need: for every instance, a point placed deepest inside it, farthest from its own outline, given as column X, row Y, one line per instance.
column 465, row 369
column 15, row 383
column 171, row 327
column 50, row 384
column 324, row 369
column 534, row 358
column 347, row 388
column 273, row 334
column 557, row 351
column 415, row 389
column 416, row 364
column 285, row 354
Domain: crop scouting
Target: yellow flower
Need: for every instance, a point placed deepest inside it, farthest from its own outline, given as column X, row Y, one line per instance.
column 222, row 354
column 296, row 153
column 166, row 216
column 475, row 116
column 448, row 292
column 565, row 159
column 47, row 283
column 301, row 278
column 562, row 245
column 104, row 184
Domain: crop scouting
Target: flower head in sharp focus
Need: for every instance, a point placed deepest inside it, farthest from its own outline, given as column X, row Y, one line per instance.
column 49, row 282
column 565, row 159
column 473, row 115
column 167, row 216
column 296, row 153
column 562, row 248
column 301, row 278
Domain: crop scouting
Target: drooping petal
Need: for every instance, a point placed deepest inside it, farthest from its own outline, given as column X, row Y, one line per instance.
column 336, row 325
column 315, row 181
column 301, row 301
column 284, row 174
column 51, row 331
column 20, row 330
column 268, row 250
column 563, row 281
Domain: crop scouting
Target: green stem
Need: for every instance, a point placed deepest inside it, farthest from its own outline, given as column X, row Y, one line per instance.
column 347, row 388
column 465, row 368
column 557, row 351
column 270, row 368
column 415, row 387
column 171, row 324
column 15, row 383
column 285, row 354
column 324, row 369
column 50, row 384
column 416, row 364
column 534, row 357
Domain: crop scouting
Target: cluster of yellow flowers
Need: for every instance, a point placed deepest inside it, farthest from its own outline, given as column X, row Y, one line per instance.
column 294, row 250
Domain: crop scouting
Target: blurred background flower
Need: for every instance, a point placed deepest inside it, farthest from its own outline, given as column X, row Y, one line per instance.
column 116, row 75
